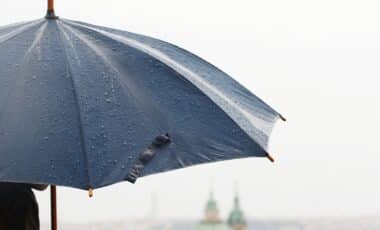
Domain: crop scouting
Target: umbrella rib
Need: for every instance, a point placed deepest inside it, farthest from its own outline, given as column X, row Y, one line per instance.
column 81, row 129
column 18, row 31
column 37, row 39
column 14, row 25
column 10, row 88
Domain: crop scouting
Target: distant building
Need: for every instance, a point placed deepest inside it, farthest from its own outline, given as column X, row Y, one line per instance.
column 236, row 219
column 211, row 220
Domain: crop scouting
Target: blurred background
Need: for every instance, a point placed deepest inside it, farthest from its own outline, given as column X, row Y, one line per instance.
column 316, row 62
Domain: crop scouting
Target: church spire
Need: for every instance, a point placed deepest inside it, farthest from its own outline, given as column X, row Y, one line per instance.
column 236, row 219
column 212, row 211
column 211, row 219
column 236, row 199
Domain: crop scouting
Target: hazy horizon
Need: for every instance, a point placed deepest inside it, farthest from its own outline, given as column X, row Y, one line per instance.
column 315, row 62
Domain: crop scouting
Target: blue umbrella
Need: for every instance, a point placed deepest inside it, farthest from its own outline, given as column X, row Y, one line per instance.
column 86, row 106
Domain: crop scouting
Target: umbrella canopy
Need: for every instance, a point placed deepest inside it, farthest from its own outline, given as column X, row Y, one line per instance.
column 87, row 106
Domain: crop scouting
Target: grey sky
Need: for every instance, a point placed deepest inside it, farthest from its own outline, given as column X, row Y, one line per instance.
column 317, row 62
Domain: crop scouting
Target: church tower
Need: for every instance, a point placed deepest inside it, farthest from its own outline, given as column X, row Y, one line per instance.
column 211, row 220
column 211, row 211
column 236, row 219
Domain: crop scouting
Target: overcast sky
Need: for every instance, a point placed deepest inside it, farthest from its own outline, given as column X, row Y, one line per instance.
column 317, row 62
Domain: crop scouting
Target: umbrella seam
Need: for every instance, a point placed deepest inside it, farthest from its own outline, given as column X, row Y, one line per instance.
column 81, row 129
column 21, row 29
column 8, row 94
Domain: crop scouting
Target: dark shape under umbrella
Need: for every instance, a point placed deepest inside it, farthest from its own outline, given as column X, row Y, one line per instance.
column 86, row 106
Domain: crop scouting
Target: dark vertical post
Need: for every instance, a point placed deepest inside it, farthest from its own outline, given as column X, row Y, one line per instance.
column 53, row 207
column 50, row 11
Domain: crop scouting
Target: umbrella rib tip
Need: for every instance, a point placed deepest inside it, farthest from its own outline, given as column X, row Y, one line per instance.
column 90, row 192
column 282, row 118
column 270, row 158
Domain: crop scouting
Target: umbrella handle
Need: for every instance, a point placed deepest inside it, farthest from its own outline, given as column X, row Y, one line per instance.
column 53, row 207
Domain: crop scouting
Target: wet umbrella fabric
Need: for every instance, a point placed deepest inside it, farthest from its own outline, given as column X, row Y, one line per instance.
column 86, row 106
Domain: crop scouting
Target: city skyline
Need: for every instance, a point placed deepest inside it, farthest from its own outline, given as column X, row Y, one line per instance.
column 316, row 62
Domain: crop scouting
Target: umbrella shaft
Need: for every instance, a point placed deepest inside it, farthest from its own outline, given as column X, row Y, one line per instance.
column 53, row 207
column 51, row 5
